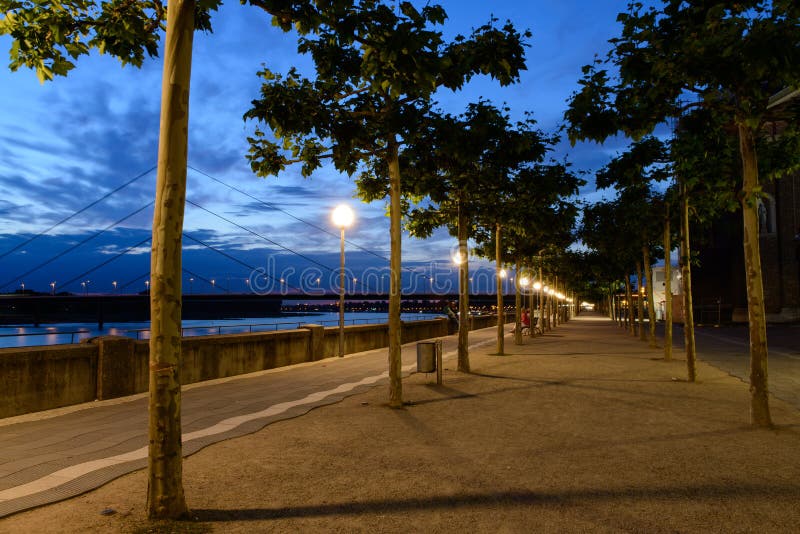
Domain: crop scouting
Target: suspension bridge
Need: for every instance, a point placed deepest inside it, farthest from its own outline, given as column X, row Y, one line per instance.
column 258, row 294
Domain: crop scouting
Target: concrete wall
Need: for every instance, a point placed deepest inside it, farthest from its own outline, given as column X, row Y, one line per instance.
column 42, row 378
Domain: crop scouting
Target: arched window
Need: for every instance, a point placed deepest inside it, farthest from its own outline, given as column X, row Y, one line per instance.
column 766, row 215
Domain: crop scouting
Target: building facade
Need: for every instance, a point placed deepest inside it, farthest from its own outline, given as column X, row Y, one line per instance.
column 719, row 279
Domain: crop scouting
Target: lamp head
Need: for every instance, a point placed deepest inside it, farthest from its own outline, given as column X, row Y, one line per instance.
column 342, row 216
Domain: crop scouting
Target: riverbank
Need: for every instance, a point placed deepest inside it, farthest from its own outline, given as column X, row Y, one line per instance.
column 582, row 430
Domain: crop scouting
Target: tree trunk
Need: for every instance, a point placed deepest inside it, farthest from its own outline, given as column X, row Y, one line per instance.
column 395, row 361
column 557, row 304
column 540, row 319
column 629, row 296
column 623, row 310
column 640, row 301
column 686, row 279
column 518, row 306
column 759, row 394
column 667, row 288
column 651, row 305
column 612, row 306
column 165, row 497
column 501, row 316
column 463, row 293
column 531, row 305
column 548, row 307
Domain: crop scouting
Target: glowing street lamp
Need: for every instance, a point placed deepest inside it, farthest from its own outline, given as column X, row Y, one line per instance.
column 147, row 286
column 342, row 217
column 53, row 287
column 114, row 283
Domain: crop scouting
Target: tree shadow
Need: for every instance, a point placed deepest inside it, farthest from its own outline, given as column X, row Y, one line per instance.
column 696, row 492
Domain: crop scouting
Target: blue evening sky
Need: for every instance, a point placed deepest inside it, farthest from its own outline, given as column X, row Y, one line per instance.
column 66, row 143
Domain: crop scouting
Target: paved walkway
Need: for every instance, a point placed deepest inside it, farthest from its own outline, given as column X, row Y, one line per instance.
column 49, row 456
column 583, row 429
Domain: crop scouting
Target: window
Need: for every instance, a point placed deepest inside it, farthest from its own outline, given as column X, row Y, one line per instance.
column 766, row 215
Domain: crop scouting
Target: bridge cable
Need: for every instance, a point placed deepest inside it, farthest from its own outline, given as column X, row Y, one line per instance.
column 312, row 225
column 80, row 243
column 311, row 260
column 62, row 221
column 232, row 258
column 106, row 262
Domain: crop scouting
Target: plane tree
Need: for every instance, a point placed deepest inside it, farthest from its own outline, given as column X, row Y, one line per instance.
column 377, row 68
column 454, row 168
column 538, row 214
column 463, row 166
column 634, row 173
column 608, row 229
column 49, row 38
column 594, row 281
column 729, row 57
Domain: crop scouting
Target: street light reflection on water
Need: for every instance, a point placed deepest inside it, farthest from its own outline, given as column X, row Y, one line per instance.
column 66, row 333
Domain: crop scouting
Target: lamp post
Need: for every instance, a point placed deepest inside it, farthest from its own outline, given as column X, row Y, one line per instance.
column 53, row 287
column 114, row 283
column 147, row 286
column 342, row 218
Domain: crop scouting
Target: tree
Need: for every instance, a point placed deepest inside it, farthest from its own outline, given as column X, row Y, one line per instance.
column 47, row 37
column 608, row 229
column 633, row 173
column 536, row 213
column 731, row 57
column 461, row 165
column 376, row 71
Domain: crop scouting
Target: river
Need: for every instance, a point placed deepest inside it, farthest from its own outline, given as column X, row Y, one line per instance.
column 56, row 334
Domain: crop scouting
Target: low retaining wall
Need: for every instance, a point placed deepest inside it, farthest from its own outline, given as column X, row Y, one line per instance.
column 41, row 378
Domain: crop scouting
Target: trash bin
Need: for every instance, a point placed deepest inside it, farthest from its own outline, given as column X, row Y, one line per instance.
column 427, row 352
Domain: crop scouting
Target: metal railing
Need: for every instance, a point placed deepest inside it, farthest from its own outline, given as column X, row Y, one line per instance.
column 207, row 330
column 71, row 334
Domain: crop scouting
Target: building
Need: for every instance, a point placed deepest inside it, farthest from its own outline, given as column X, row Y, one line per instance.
column 659, row 294
column 719, row 280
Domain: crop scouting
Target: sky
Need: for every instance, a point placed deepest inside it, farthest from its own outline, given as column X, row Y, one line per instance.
column 68, row 143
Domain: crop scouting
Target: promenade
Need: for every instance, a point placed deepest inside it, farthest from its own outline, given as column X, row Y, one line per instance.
column 585, row 429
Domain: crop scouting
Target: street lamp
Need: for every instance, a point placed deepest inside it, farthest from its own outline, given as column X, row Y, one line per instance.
column 53, row 287
column 191, row 285
column 114, row 283
column 147, row 286
column 342, row 218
